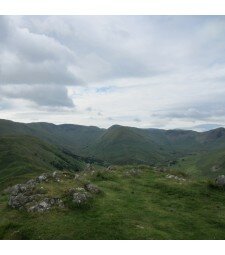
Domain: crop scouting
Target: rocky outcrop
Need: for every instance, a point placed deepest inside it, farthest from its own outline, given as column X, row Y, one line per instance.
column 30, row 196
column 19, row 201
column 22, row 194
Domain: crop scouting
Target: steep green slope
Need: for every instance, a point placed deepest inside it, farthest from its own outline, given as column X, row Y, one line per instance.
column 23, row 155
column 75, row 138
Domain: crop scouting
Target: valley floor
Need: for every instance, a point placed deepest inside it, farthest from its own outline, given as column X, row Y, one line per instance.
column 150, row 205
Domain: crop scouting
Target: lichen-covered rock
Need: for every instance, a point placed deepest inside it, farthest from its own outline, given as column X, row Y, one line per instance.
column 220, row 181
column 39, row 207
column 22, row 188
column 81, row 198
column 57, row 175
column 21, row 200
column 30, row 196
column 31, row 182
column 92, row 188
column 43, row 178
column 46, row 205
column 18, row 201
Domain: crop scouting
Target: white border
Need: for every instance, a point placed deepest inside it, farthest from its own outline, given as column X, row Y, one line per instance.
column 112, row 7
column 112, row 247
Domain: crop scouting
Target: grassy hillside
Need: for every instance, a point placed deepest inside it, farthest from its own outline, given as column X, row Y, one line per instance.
column 147, row 206
column 24, row 155
column 75, row 138
column 204, row 164
column 126, row 145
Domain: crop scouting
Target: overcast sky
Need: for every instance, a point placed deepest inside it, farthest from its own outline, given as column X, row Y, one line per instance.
column 144, row 71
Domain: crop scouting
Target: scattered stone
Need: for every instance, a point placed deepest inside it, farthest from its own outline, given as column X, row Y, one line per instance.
column 220, row 181
column 171, row 176
column 26, row 189
column 31, row 182
column 57, row 175
column 43, row 178
column 92, row 188
column 39, row 207
column 18, row 201
column 81, row 198
column 110, row 168
column 215, row 168
column 22, row 196
column 46, row 205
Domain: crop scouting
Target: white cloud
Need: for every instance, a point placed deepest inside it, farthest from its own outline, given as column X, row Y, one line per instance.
column 146, row 71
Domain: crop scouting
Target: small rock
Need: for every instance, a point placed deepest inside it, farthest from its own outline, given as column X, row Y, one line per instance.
column 171, row 176
column 42, row 178
column 92, row 188
column 40, row 207
column 81, row 198
column 31, row 182
column 220, row 181
column 110, row 168
column 18, row 201
column 46, row 205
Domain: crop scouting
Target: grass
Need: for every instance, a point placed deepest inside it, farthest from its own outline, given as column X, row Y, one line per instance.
column 148, row 206
column 25, row 156
column 202, row 164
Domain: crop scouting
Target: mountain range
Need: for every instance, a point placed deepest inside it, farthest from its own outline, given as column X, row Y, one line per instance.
column 34, row 146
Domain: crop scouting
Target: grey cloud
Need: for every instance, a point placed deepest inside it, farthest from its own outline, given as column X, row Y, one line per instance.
column 29, row 58
column 204, row 112
column 39, row 94
column 137, row 120
column 88, row 109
